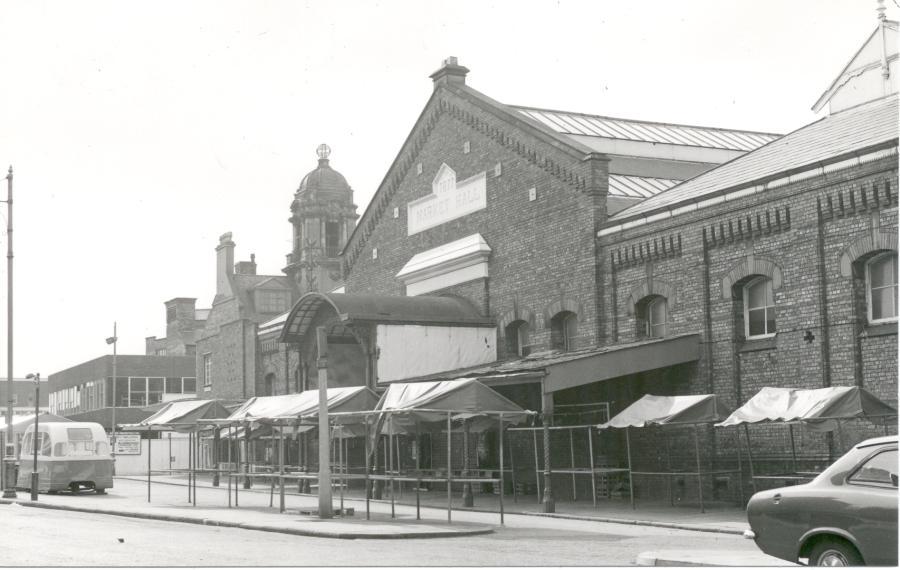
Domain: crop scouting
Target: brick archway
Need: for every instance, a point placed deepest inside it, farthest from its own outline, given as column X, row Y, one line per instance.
column 560, row 305
column 876, row 241
column 513, row 315
column 748, row 267
column 661, row 288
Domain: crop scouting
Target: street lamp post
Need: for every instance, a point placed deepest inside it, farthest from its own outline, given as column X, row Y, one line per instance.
column 9, row 491
column 34, row 436
column 113, row 340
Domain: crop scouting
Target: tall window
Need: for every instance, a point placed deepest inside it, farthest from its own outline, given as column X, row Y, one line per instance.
column 332, row 239
column 272, row 301
column 759, row 308
column 517, row 338
column 881, row 288
column 207, row 370
column 657, row 319
column 563, row 329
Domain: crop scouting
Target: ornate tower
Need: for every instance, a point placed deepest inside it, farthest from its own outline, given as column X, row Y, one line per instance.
column 323, row 216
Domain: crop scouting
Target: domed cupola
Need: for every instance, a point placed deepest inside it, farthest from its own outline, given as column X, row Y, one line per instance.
column 324, row 184
column 323, row 216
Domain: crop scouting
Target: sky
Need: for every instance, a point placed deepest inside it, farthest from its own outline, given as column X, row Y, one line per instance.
column 139, row 132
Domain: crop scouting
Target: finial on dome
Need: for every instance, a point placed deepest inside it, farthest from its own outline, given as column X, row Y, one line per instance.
column 323, row 151
column 880, row 10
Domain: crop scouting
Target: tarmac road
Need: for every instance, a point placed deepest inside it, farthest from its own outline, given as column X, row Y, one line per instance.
column 41, row 537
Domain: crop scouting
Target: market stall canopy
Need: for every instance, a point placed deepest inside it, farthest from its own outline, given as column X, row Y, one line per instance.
column 21, row 423
column 301, row 410
column 668, row 410
column 181, row 416
column 819, row 408
column 465, row 398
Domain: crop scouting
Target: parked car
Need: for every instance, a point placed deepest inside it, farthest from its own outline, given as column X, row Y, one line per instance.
column 846, row 516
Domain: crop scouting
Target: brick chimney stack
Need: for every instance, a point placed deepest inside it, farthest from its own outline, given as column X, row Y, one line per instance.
column 450, row 73
column 224, row 265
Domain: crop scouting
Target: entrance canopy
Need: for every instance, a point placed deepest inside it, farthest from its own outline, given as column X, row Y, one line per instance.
column 466, row 398
column 819, row 408
column 356, row 309
column 181, row 416
column 668, row 410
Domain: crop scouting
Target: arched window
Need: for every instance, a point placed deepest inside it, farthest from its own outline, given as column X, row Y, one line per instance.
column 652, row 316
column 759, row 308
column 563, row 329
column 269, row 385
column 881, row 287
column 517, row 338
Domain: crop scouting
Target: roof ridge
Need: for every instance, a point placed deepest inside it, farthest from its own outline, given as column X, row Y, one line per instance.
column 646, row 122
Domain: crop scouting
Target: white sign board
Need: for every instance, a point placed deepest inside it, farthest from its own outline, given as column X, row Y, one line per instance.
column 407, row 351
column 448, row 200
column 128, row 443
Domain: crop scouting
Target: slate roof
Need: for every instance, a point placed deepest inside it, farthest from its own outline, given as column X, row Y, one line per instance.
column 638, row 186
column 834, row 136
column 628, row 129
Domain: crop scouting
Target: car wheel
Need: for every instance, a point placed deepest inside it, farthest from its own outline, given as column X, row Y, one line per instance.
column 100, row 491
column 832, row 552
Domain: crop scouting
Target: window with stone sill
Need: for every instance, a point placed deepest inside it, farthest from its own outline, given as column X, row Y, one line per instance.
column 207, row 370
column 881, row 288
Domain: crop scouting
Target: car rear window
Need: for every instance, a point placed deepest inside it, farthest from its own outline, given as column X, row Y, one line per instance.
column 880, row 468
column 80, row 434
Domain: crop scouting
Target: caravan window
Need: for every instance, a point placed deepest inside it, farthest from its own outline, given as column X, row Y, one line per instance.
column 43, row 444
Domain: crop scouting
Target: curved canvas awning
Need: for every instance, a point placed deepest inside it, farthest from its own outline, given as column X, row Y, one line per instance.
column 818, row 408
column 668, row 410
column 182, row 416
column 379, row 309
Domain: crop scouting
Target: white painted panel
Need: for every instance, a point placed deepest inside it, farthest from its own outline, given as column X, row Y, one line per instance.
column 409, row 351
column 448, row 279
column 449, row 200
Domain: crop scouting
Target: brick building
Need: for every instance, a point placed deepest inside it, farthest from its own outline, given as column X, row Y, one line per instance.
column 183, row 323
column 573, row 260
column 23, row 397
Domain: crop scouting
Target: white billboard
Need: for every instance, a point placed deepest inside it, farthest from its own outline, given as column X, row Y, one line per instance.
column 410, row 351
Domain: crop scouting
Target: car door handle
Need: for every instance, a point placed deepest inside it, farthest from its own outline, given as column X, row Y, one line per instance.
column 776, row 498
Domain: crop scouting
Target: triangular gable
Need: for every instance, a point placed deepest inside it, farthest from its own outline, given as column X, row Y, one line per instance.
column 405, row 159
column 866, row 59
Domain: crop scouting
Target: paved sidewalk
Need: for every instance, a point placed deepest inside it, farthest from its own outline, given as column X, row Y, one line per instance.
column 169, row 502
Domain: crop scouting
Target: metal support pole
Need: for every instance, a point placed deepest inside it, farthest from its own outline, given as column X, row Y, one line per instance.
column 501, row 467
column 749, row 457
column 572, row 462
column 246, row 481
column 630, row 476
column 449, row 466
column 34, row 470
column 468, row 499
column 9, row 490
column 699, row 474
column 326, row 510
column 367, row 450
column 590, row 435
column 537, row 469
column 190, row 464
column 740, row 468
column 149, row 452
column 549, row 504
column 390, row 459
column 793, row 448
column 281, row 470
column 215, row 450
column 512, row 469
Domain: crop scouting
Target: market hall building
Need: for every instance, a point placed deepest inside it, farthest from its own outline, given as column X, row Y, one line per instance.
column 576, row 262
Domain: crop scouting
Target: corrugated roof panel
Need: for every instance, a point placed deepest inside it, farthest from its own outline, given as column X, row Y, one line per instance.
column 638, row 186
column 851, row 130
column 625, row 129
